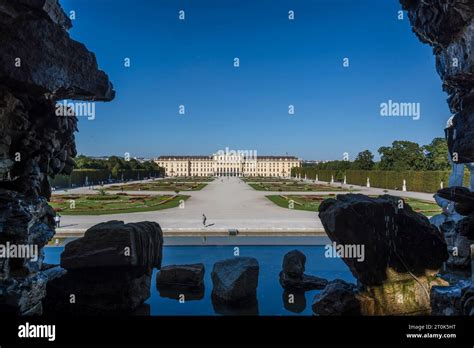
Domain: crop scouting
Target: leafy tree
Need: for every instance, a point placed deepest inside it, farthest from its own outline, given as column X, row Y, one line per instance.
column 436, row 154
column 402, row 155
column 364, row 161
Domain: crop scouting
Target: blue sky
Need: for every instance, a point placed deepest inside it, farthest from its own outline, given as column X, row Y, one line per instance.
column 282, row 62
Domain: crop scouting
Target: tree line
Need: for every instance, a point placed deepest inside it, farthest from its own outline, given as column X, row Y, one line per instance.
column 400, row 156
column 115, row 164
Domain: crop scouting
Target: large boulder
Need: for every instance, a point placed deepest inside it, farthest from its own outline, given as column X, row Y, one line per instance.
column 108, row 270
column 292, row 275
column 391, row 234
column 235, row 280
column 115, row 244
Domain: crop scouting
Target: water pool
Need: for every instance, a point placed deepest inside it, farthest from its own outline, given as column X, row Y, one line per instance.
column 270, row 294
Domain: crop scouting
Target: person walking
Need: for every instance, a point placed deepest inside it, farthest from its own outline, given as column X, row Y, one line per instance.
column 204, row 219
column 57, row 220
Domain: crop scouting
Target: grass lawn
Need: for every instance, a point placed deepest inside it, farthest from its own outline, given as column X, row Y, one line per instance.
column 265, row 179
column 312, row 202
column 191, row 179
column 113, row 204
column 159, row 185
column 295, row 187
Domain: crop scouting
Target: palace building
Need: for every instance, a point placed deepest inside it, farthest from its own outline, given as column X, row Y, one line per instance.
column 228, row 164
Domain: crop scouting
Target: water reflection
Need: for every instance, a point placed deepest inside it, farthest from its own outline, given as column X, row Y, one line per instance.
column 249, row 307
column 294, row 300
column 181, row 293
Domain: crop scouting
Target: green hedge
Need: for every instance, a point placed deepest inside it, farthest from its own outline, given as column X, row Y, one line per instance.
column 419, row 181
column 95, row 176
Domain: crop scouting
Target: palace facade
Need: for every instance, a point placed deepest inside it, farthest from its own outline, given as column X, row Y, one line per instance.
column 228, row 164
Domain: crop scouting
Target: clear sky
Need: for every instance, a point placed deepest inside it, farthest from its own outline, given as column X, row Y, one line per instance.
column 282, row 62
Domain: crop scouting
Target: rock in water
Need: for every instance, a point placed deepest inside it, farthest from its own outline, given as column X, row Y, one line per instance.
column 391, row 233
column 181, row 275
column 39, row 65
column 338, row 298
column 115, row 244
column 108, row 270
column 448, row 26
column 294, row 263
column 401, row 252
column 235, row 280
column 292, row 276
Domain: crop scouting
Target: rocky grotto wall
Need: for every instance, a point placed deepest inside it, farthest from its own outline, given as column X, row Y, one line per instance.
column 39, row 64
column 448, row 26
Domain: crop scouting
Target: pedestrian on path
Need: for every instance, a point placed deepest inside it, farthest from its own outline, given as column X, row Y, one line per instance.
column 57, row 220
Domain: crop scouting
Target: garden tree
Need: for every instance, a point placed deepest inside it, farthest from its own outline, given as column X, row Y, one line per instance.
column 436, row 154
column 402, row 155
column 116, row 171
column 364, row 161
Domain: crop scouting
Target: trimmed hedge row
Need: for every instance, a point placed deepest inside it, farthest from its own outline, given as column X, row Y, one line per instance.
column 419, row 181
column 96, row 176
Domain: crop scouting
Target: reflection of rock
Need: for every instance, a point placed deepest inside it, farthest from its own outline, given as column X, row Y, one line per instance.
column 235, row 280
column 249, row 308
column 185, row 275
column 294, row 300
column 98, row 291
column 39, row 64
column 292, row 276
column 181, row 293
column 402, row 253
column 108, row 270
column 338, row 298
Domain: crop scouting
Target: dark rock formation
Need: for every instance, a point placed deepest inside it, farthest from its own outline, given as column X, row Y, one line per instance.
column 235, row 281
column 462, row 196
column 181, row 275
column 181, row 282
column 338, row 298
column 392, row 234
column 115, row 244
column 292, row 276
column 448, row 26
column 402, row 252
column 458, row 233
column 39, row 65
column 107, row 271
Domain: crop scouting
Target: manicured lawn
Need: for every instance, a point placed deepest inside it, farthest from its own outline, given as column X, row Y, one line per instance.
column 312, row 202
column 265, row 179
column 159, row 185
column 295, row 187
column 113, row 203
column 191, row 179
